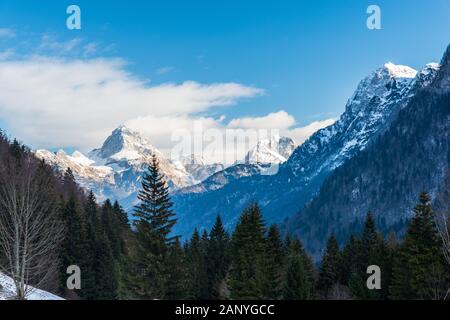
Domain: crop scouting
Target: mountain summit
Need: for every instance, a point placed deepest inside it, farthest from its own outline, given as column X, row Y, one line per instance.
column 368, row 113
column 411, row 156
column 115, row 169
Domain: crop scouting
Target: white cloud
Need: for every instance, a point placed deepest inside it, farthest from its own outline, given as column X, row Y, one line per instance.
column 276, row 120
column 49, row 43
column 7, row 33
column 76, row 103
column 302, row 133
column 166, row 132
column 50, row 102
column 161, row 128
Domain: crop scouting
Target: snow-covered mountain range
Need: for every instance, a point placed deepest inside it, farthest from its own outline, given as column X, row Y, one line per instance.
column 115, row 169
column 368, row 113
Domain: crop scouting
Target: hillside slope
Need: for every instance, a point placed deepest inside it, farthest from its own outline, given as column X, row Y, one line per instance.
column 386, row 178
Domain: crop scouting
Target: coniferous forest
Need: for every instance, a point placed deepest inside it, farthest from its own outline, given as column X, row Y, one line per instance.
column 48, row 223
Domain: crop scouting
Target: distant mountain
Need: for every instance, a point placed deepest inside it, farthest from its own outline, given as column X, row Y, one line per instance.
column 257, row 161
column 270, row 150
column 376, row 102
column 199, row 169
column 114, row 170
column 411, row 155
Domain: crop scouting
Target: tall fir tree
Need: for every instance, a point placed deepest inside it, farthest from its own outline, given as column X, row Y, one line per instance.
column 154, row 221
column 248, row 275
column 75, row 249
column 217, row 260
column 329, row 269
column 373, row 251
column 197, row 273
column 89, row 288
column 155, row 206
column 299, row 278
column 177, row 283
column 276, row 259
column 419, row 271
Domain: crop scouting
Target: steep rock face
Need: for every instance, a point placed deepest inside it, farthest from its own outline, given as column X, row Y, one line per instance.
column 412, row 155
column 368, row 113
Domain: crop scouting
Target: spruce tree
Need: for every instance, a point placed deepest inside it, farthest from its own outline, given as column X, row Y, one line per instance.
column 373, row 251
column 197, row 273
column 154, row 221
column 75, row 248
column 248, row 275
column 177, row 283
column 106, row 278
column 329, row 269
column 89, row 288
column 276, row 256
column 111, row 226
column 419, row 270
column 299, row 279
column 155, row 206
column 217, row 260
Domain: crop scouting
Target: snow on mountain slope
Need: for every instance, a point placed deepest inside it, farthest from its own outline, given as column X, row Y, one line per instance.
column 368, row 113
column 271, row 150
column 86, row 173
column 126, row 150
column 114, row 171
column 7, row 291
column 377, row 98
column 386, row 178
column 258, row 160
column 198, row 168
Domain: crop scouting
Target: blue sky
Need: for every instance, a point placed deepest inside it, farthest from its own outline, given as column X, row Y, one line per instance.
column 307, row 56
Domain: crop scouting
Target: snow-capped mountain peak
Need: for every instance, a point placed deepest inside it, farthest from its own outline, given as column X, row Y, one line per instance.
column 399, row 71
column 271, row 150
column 124, row 144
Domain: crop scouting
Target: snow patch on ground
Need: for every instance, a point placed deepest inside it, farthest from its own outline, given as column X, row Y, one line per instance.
column 7, row 291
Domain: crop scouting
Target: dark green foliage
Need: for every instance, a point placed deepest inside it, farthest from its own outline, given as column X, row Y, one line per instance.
column 196, row 268
column 248, row 274
column 329, row 269
column 177, row 282
column 148, row 263
column 371, row 250
column 385, row 177
column 217, row 260
column 299, row 282
column 155, row 206
column 276, row 256
column 419, row 269
column 154, row 221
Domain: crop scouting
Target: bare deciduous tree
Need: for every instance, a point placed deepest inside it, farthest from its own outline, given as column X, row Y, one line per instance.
column 442, row 220
column 443, row 227
column 30, row 231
